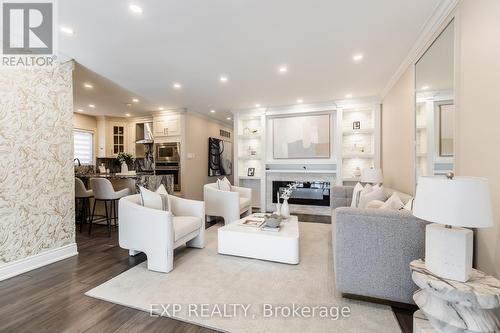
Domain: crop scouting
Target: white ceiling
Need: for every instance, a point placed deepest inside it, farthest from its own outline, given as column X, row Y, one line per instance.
column 194, row 42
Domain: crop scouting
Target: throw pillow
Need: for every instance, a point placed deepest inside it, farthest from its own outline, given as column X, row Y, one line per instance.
column 375, row 204
column 355, row 194
column 409, row 205
column 223, row 184
column 154, row 200
column 394, row 202
column 368, row 196
column 162, row 190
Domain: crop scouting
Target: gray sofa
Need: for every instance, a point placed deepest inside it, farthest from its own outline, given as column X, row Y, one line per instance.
column 373, row 248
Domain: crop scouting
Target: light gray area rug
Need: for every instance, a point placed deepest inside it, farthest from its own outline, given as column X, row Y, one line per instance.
column 203, row 281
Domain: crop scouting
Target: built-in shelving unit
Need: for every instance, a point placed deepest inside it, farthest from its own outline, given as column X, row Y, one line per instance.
column 360, row 140
column 249, row 152
column 350, row 147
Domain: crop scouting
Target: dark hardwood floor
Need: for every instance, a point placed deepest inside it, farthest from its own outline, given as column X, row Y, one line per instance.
column 51, row 298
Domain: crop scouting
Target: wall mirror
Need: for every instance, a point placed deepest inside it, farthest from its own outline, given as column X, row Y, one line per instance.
column 435, row 107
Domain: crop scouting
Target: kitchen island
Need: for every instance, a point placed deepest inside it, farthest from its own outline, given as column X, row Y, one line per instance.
column 132, row 181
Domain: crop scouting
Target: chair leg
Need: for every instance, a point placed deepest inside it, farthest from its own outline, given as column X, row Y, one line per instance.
column 92, row 217
column 108, row 220
column 116, row 214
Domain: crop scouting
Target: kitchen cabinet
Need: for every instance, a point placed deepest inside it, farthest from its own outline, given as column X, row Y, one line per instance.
column 167, row 125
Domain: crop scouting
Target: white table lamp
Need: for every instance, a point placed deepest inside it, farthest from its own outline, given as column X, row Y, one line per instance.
column 452, row 203
column 372, row 175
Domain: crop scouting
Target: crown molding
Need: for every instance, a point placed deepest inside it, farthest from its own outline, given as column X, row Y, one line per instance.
column 427, row 34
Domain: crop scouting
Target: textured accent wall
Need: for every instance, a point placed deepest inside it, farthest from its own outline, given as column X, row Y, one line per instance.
column 36, row 153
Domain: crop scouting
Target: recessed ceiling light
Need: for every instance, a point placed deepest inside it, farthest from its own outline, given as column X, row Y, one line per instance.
column 299, row 101
column 177, row 86
column 425, row 87
column 223, row 79
column 160, row 108
column 135, row 9
column 128, row 104
column 127, row 114
column 135, row 100
column 67, row 31
column 88, row 85
column 348, row 96
column 257, row 105
column 79, row 110
column 228, row 118
column 283, row 69
column 212, row 111
column 357, row 57
column 92, row 106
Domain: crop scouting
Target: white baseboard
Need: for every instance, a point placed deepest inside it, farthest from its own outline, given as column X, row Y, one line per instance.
column 24, row 265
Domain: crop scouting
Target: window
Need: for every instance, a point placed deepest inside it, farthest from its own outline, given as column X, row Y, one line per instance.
column 84, row 146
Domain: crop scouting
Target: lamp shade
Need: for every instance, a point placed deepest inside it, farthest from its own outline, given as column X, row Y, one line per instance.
column 371, row 175
column 460, row 201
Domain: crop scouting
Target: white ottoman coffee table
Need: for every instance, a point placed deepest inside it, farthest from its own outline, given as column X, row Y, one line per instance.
column 281, row 246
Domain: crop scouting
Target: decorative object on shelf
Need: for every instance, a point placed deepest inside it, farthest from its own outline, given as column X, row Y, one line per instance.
column 125, row 159
column 254, row 131
column 453, row 306
column 220, row 157
column 356, row 125
column 372, row 176
column 285, row 209
column 251, row 151
column 453, row 204
column 356, row 172
column 301, row 137
column 246, row 131
column 251, row 172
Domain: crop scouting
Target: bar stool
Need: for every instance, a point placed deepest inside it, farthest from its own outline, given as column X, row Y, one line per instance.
column 83, row 196
column 104, row 191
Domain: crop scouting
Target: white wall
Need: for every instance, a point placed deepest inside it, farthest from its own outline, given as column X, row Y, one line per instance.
column 198, row 130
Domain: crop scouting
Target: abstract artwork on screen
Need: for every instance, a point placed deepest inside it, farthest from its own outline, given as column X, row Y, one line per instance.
column 301, row 137
column 220, row 157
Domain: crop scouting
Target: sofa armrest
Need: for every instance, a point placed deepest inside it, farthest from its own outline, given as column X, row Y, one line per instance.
column 243, row 191
column 372, row 252
column 341, row 196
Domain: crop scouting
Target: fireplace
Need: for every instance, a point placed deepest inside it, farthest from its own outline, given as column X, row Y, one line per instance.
column 313, row 193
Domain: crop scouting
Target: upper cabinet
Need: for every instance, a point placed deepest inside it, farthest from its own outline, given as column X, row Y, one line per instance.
column 113, row 137
column 169, row 125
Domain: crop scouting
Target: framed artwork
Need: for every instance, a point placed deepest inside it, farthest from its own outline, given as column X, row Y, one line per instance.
column 220, row 157
column 251, row 172
column 356, row 125
column 301, row 137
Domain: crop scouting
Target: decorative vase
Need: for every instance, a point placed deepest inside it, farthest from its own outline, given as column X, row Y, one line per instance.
column 124, row 167
column 285, row 209
column 278, row 209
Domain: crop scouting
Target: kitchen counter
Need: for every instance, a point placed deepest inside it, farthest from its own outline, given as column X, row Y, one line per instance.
column 144, row 179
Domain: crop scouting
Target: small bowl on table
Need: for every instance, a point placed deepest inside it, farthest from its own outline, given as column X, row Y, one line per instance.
column 273, row 221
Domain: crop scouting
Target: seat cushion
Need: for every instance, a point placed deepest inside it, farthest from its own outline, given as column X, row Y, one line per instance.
column 244, row 203
column 184, row 225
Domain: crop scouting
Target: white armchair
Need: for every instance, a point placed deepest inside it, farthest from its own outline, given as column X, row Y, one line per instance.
column 228, row 204
column 157, row 233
